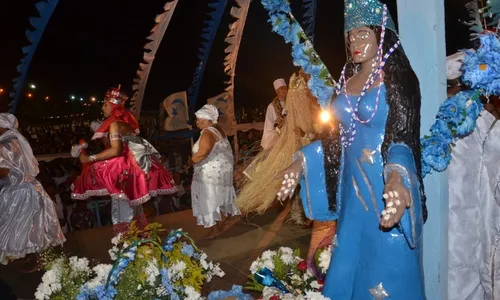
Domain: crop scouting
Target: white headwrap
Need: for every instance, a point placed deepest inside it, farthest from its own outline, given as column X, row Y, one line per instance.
column 29, row 164
column 279, row 83
column 208, row 112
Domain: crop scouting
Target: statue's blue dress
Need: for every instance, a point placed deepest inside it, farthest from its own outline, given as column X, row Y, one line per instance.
column 364, row 256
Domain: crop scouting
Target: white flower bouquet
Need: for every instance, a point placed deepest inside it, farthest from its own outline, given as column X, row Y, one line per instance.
column 283, row 274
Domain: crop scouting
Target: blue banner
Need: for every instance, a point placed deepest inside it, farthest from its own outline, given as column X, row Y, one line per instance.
column 45, row 9
column 309, row 18
column 208, row 35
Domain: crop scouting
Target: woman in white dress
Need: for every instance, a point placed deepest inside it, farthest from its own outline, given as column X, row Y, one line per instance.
column 28, row 219
column 212, row 189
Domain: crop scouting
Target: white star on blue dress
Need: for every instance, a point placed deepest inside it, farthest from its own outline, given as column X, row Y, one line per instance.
column 378, row 292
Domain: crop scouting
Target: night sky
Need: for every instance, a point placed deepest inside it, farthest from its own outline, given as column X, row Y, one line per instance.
column 91, row 45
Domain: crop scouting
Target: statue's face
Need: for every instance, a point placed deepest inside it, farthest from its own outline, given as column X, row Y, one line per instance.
column 362, row 44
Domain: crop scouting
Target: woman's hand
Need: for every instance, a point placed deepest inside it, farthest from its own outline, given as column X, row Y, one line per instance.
column 85, row 159
column 397, row 200
column 290, row 177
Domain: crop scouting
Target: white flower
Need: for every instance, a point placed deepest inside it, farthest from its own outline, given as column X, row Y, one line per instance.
column 269, row 264
column 315, row 285
column 125, row 245
column 286, row 250
column 268, row 255
column 151, row 271
column 324, row 259
column 269, row 292
column 139, row 287
column 50, row 281
column 217, row 271
column 113, row 253
column 191, row 293
column 102, row 272
column 116, row 240
column 203, row 256
column 255, row 267
column 176, row 271
column 315, row 296
column 296, row 279
column 79, row 265
column 288, row 259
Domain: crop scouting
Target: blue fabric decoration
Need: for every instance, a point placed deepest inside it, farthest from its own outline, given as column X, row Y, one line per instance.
column 237, row 291
column 359, row 13
column 208, row 35
column 309, row 18
column 45, row 9
column 267, row 278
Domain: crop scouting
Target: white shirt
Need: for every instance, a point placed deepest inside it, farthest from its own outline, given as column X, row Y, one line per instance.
column 269, row 131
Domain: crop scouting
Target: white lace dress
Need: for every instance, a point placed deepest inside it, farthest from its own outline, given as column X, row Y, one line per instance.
column 212, row 189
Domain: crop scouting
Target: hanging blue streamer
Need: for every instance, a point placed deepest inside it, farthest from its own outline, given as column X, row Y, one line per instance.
column 309, row 18
column 208, row 35
column 45, row 9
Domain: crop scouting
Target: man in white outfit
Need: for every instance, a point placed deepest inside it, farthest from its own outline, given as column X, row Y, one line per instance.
column 275, row 114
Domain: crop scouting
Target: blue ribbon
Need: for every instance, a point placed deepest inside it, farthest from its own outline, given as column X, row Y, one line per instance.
column 267, row 278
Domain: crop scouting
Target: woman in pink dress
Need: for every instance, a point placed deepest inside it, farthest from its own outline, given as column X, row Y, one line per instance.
column 129, row 170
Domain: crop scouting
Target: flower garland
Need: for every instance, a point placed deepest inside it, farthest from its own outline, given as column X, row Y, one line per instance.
column 457, row 116
column 456, row 119
column 321, row 83
column 142, row 269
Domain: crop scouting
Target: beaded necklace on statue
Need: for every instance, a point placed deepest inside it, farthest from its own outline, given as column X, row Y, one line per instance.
column 374, row 75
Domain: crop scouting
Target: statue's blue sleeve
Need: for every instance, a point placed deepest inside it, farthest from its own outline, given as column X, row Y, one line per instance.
column 400, row 159
column 313, row 190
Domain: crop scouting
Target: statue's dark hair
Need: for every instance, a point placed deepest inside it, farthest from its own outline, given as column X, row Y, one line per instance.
column 403, row 120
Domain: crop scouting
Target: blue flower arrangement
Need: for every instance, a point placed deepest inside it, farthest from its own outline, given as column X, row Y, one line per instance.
column 482, row 66
column 456, row 119
column 321, row 83
column 173, row 269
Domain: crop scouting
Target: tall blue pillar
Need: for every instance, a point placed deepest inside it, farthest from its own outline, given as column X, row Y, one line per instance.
column 422, row 30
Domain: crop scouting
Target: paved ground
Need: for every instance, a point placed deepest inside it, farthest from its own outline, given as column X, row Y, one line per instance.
column 234, row 250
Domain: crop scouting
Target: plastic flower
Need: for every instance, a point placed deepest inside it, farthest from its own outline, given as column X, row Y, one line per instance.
column 274, row 6
column 187, row 250
column 449, row 111
column 481, row 67
column 436, row 153
column 441, row 129
column 302, row 266
column 466, row 127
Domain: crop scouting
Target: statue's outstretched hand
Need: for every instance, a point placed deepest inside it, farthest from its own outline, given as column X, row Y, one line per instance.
column 397, row 199
column 290, row 179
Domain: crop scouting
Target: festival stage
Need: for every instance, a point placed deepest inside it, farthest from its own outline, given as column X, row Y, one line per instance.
column 235, row 249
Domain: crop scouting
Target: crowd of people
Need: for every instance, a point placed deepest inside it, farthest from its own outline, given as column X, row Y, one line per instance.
column 53, row 139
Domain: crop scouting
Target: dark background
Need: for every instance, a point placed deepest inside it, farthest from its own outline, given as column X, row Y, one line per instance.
column 91, row 45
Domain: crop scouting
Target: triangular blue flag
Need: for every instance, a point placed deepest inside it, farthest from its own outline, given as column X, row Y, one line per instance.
column 26, row 49
column 36, row 22
column 40, row 6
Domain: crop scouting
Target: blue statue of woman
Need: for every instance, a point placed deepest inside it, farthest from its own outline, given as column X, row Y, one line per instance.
column 367, row 173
